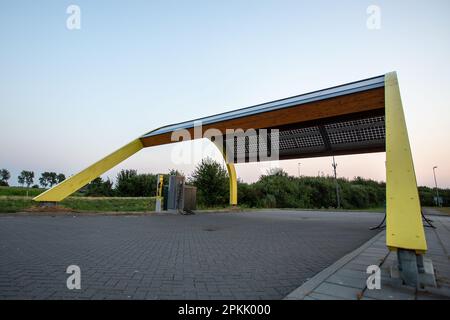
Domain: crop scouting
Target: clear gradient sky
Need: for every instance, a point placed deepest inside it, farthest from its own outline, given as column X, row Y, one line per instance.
column 70, row 97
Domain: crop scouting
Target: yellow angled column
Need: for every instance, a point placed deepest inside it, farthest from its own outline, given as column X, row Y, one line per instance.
column 404, row 228
column 231, row 173
column 72, row 184
column 233, row 184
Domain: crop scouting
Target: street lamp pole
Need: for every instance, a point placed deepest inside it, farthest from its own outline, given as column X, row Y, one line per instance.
column 338, row 199
column 438, row 203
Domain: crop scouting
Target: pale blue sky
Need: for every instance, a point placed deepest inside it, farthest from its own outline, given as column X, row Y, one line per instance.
column 68, row 98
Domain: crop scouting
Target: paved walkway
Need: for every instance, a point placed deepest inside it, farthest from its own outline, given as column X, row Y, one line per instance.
column 254, row 255
column 346, row 279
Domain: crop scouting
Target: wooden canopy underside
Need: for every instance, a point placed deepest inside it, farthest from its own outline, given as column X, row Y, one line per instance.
column 346, row 124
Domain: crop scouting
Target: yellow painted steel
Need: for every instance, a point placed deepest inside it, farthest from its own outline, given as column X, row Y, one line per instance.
column 233, row 183
column 404, row 227
column 72, row 184
column 231, row 174
column 160, row 185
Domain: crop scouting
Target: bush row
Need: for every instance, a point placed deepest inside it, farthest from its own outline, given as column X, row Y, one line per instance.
column 276, row 189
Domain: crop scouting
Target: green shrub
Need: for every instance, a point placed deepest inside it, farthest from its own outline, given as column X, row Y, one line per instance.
column 212, row 183
column 131, row 184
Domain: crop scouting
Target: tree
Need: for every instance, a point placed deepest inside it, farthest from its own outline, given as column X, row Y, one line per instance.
column 60, row 177
column 144, row 185
column 21, row 179
column 43, row 179
column 4, row 177
column 100, row 188
column 131, row 184
column 276, row 189
column 26, row 177
column 211, row 181
column 124, row 182
column 48, row 179
column 279, row 172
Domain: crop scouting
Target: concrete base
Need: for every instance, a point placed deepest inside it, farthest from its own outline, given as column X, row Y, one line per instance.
column 426, row 276
column 158, row 206
column 47, row 204
column 235, row 208
column 408, row 267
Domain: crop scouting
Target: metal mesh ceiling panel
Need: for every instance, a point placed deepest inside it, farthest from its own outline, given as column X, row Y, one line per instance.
column 360, row 135
column 356, row 131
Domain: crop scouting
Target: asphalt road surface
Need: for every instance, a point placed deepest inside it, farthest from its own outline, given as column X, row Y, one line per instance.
column 250, row 255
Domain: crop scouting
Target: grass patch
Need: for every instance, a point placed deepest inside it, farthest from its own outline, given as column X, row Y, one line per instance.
column 17, row 204
column 107, row 204
column 14, row 204
column 20, row 191
column 122, row 204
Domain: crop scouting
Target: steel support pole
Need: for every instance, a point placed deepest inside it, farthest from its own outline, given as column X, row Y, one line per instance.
column 438, row 203
column 338, row 198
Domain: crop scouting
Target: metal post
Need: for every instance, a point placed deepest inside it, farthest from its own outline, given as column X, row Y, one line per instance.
column 438, row 203
column 159, row 189
column 338, row 198
column 408, row 267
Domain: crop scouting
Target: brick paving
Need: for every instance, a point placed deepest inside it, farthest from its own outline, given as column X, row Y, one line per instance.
column 346, row 278
column 254, row 255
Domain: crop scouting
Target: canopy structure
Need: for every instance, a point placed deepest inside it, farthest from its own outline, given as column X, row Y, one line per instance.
column 346, row 119
column 358, row 117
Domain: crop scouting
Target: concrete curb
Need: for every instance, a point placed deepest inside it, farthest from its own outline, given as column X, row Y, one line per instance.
column 301, row 292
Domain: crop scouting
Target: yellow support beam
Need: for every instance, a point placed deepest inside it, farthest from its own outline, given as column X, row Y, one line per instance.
column 72, row 184
column 404, row 227
column 231, row 174
column 233, row 183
